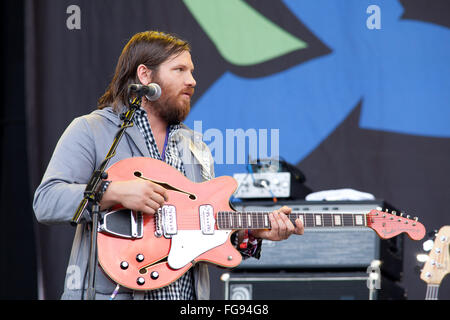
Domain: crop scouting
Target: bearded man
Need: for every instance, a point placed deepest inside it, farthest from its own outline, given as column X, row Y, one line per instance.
column 158, row 132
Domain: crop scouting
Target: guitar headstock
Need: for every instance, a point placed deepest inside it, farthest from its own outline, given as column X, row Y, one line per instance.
column 388, row 225
column 437, row 265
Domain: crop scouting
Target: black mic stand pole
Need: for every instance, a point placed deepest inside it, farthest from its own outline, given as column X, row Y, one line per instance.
column 92, row 191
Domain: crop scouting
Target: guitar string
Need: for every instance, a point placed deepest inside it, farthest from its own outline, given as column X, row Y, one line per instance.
column 432, row 292
column 259, row 219
column 326, row 219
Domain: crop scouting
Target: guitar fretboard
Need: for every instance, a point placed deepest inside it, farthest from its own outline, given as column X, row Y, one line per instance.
column 260, row 220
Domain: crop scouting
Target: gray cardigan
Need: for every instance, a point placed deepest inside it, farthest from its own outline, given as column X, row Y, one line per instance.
column 80, row 150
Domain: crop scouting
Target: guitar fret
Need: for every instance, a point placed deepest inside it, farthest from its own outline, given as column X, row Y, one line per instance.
column 348, row 220
column 309, row 220
column 260, row 220
column 254, row 218
column 327, row 220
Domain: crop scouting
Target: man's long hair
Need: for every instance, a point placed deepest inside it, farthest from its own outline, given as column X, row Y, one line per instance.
column 150, row 48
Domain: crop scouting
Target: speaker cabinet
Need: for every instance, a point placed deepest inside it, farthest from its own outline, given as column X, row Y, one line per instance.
column 309, row 286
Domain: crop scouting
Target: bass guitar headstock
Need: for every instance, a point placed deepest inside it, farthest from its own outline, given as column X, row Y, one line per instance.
column 438, row 265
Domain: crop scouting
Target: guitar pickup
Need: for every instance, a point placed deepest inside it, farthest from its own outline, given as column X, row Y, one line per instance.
column 169, row 220
column 123, row 223
column 207, row 220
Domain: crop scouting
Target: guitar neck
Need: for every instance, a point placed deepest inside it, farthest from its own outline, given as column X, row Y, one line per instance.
column 432, row 292
column 260, row 220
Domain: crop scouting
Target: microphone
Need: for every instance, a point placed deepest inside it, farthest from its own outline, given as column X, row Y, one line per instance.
column 152, row 92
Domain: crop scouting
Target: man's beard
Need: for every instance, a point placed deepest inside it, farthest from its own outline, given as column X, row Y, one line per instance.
column 171, row 106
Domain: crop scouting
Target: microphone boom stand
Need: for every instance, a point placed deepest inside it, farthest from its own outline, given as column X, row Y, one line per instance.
column 92, row 190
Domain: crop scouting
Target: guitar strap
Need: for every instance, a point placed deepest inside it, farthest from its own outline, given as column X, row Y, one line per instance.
column 201, row 153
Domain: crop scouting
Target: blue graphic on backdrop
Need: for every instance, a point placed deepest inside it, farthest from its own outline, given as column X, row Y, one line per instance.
column 400, row 72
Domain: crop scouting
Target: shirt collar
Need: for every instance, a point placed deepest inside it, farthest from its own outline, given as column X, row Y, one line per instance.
column 173, row 128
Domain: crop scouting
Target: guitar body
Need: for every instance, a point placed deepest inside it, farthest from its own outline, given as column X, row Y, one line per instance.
column 155, row 260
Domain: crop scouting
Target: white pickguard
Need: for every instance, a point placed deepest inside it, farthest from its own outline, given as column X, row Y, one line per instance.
column 189, row 244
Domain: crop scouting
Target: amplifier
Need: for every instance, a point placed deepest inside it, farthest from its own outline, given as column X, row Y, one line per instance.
column 328, row 248
column 263, row 185
column 308, row 286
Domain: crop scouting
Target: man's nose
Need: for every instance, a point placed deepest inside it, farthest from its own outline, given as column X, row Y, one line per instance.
column 190, row 81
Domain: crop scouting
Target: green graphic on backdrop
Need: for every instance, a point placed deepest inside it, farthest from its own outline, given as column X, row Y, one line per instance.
column 223, row 21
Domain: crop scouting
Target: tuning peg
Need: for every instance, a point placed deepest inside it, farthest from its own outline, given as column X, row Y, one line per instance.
column 408, row 216
column 386, row 210
column 394, row 212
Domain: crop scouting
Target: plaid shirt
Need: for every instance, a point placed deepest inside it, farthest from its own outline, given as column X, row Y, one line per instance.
column 183, row 288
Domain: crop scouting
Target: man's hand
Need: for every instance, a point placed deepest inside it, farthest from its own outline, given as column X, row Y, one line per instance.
column 282, row 227
column 138, row 195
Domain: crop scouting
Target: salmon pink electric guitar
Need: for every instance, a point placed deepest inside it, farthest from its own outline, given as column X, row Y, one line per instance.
column 146, row 252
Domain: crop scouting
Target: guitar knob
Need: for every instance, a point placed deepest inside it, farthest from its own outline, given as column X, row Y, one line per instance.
column 140, row 257
column 140, row 281
column 124, row 265
column 154, row 275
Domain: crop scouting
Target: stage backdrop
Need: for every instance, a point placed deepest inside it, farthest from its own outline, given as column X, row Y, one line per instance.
column 355, row 93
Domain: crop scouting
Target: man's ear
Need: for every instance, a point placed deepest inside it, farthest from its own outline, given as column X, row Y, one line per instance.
column 144, row 74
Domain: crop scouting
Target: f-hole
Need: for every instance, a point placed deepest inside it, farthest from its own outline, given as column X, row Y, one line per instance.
column 165, row 185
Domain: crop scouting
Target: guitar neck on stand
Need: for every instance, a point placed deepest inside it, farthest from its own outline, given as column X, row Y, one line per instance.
column 438, row 264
